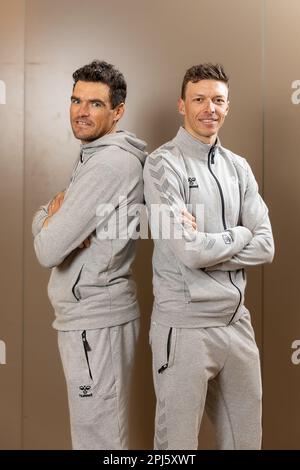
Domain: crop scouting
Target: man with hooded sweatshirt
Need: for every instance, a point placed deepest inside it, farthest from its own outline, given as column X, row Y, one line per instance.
column 86, row 235
column 212, row 224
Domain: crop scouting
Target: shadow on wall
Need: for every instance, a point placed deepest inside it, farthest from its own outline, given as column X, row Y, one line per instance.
column 142, row 402
column 162, row 123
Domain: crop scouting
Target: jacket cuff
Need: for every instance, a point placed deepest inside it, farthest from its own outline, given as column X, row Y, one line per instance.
column 38, row 220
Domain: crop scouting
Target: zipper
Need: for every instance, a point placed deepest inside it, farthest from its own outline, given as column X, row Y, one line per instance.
column 166, row 365
column 211, row 161
column 75, row 284
column 75, row 169
column 87, row 348
column 211, row 156
column 240, row 294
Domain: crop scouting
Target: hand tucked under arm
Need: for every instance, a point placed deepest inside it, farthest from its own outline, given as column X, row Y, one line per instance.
column 255, row 217
column 260, row 250
column 188, row 220
column 54, row 206
column 165, row 201
column 76, row 215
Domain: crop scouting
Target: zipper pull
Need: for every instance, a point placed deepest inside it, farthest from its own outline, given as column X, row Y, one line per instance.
column 85, row 341
column 162, row 368
column 213, row 155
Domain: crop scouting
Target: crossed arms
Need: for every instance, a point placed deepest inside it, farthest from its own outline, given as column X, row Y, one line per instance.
column 236, row 248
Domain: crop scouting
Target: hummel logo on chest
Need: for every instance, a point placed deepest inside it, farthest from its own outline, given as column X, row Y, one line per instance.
column 192, row 182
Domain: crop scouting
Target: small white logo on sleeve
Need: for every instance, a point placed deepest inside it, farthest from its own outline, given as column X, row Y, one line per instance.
column 227, row 238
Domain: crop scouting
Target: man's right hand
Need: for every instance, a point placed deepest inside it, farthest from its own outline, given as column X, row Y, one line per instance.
column 85, row 244
column 188, row 220
column 56, row 202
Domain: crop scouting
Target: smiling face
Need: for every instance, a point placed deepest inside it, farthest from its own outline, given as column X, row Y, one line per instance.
column 91, row 114
column 204, row 108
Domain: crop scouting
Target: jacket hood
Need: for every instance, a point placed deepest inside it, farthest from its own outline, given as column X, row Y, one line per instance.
column 123, row 139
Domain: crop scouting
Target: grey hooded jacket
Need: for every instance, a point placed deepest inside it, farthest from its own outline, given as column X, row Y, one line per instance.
column 92, row 287
column 199, row 278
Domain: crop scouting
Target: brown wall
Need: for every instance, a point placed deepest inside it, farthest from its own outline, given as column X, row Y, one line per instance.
column 152, row 42
column 11, row 233
column 281, row 176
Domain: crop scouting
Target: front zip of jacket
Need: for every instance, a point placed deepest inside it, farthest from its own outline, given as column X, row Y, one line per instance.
column 211, row 161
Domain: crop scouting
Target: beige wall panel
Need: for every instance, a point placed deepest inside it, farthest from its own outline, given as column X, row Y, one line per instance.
column 281, row 280
column 11, row 210
column 152, row 42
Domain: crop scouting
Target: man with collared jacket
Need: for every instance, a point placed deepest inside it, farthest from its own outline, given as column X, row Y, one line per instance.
column 212, row 225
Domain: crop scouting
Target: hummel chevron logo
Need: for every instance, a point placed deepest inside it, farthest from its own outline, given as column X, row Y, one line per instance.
column 161, row 433
column 154, row 161
column 162, row 187
column 157, row 174
column 162, row 403
column 162, row 419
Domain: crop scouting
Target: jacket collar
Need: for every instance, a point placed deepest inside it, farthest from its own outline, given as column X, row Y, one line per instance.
column 194, row 147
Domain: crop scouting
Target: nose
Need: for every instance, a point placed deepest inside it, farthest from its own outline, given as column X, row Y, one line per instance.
column 84, row 109
column 210, row 106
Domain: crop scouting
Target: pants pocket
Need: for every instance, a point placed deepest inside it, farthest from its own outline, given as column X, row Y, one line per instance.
column 87, row 349
column 169, row 347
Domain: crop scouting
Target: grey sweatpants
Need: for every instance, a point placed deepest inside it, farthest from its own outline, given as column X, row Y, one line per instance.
column 217, row 368
column 97, row 366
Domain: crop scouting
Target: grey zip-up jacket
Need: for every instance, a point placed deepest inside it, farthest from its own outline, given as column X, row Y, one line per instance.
column 92, row 287
column 199, row 278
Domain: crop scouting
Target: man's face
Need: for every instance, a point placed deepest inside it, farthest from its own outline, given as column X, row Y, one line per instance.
column 204, row 109
column 91, row 113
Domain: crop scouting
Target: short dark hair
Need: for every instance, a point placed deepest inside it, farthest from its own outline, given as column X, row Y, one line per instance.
column 204, row 72
column 101, row 71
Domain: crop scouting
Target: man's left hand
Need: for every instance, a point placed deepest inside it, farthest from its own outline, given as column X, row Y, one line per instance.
column 54, row 206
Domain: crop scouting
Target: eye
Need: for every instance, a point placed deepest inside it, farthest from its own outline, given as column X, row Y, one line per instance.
column 220, row 101
column 198, row 99
column 97, row 104
column 75, row 101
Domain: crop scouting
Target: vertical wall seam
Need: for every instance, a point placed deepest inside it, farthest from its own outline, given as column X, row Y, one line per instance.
column 263, row 181
column 23, row 226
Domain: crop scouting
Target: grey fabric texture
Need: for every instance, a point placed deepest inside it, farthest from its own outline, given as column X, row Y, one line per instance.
column 217, row 368
column 98, row 384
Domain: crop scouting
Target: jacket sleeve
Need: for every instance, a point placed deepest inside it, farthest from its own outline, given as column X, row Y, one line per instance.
column 78, row 217
column 164, row 195
column 255, row 217
column 39, row 218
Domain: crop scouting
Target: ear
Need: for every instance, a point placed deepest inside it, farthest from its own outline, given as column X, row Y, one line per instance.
column 227, row 109
column 119, row 111
column 181, row 106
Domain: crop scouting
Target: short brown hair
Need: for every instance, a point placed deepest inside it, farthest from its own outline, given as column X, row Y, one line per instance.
column 101, row 71
column 204, row 72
